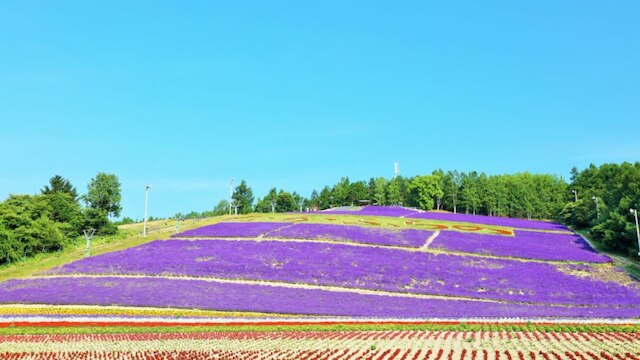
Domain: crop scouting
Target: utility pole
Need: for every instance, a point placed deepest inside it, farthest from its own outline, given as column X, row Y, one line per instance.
column 88, row 235
column 575, row 194
column 146, row 201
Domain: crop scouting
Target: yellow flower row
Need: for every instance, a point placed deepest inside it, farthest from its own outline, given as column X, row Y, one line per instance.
column 22, row 309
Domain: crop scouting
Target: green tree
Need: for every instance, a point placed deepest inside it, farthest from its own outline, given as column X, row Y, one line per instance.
column 380, row 191
column 268, row 203
column 221, row 208
column 340, row 192
column 58, row 184
column 243, row 197
column 103, row 200
column 426, row 190
column 285, row 202
column 103, row 192
column 358, row 191
column 65, row 211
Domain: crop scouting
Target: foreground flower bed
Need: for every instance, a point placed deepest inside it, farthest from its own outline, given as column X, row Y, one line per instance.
column 229, row 296
column 451, row 342
column 361, row 267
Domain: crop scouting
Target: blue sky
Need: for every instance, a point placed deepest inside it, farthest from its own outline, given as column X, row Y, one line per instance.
column 184, row 95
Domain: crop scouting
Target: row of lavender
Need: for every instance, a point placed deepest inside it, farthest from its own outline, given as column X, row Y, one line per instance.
column 371, row 268
column 525, row 244
column 434, row 215
column 190, row 294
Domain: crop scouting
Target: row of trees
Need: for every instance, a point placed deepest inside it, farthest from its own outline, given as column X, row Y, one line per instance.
column 522, row 195
column 518, row 195
column 51, row 220
column 604, row 195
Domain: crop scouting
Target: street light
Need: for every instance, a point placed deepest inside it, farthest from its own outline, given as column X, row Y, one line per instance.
column 230, row 192
column 575, row 194
column 635, row 213
column 595, row 198
column 146, row 201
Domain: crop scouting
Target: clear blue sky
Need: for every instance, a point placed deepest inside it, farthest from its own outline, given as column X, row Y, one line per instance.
column 184, row 95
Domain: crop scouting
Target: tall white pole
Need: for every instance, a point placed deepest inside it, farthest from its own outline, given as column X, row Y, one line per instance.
column 146, row 202
column 635, row 213
column 575, row 194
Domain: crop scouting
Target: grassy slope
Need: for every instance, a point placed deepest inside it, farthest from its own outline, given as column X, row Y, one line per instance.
column 629, row 265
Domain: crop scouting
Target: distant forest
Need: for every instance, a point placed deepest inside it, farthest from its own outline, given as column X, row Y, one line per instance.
column 597, row 199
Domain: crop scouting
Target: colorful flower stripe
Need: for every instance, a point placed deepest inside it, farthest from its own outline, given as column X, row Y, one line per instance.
column 23, row 309
column 233, row 229
column 374, row 268
column 176, row 293
column 525, row 244
column 429, row 345
column 489, row 220
column 365, row 235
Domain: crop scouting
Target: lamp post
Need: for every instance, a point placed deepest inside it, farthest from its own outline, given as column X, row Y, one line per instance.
column 146, row 202
column 595, row 198
column 230, row 192
column 635, row 213
column 575, row 194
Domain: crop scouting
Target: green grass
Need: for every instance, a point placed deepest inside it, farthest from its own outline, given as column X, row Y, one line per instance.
column 20, row 330
column 629, row 265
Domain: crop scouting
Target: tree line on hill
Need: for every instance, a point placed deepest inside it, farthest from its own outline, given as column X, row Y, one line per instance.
column 520, row 195
column 55, row 218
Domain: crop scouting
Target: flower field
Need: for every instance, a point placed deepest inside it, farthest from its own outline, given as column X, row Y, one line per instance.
column 376, row 265
column 428, row 345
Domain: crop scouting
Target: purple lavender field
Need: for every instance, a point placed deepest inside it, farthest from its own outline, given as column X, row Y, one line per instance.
column 159, row 292
column 358, row 267
column 359, row 234
column 525, row 244
column 278, row 267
